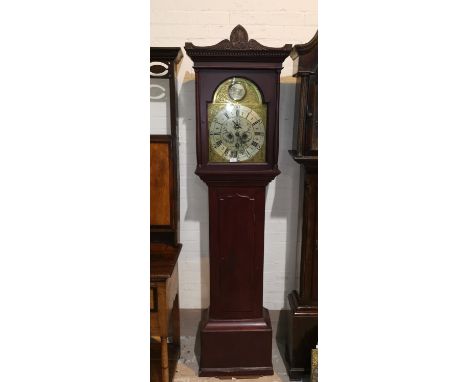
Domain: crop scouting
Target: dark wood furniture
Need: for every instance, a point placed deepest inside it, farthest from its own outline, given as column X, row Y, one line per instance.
column 236, row 333
column 164, row 216
column 164, row 220
column 165, row 316
column 303, row 313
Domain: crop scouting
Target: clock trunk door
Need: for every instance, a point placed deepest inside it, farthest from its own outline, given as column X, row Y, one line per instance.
column 236, row 251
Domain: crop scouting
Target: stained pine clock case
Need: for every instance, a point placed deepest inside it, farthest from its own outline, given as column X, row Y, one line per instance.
column 237, row 98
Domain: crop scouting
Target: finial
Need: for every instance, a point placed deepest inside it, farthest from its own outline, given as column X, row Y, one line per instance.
column 239, row 35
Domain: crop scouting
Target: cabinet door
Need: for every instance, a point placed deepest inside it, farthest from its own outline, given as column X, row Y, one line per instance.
column 236, row 251
column 162, row 189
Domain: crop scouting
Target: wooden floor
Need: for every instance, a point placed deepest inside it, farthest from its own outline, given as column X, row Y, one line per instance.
column 186, row 369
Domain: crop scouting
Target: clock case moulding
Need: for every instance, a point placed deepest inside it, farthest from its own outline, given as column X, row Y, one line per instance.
column 236, row 333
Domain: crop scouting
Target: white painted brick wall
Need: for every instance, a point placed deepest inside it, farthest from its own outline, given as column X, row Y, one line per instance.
column 204, row 22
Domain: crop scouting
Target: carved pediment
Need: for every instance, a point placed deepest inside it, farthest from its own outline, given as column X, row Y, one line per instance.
column 302, row 49
column 305, row 56
column 239, row 46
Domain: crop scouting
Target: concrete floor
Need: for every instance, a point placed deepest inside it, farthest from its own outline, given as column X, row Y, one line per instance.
column 187, row 366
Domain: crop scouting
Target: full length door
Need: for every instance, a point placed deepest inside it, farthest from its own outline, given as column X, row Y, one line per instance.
column 236, row 251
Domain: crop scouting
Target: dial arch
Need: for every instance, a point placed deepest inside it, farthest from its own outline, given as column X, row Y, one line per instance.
column 237, row 122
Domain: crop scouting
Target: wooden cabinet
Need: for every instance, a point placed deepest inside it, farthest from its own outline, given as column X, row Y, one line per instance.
column 164, row 215
column 164, row 178
column 303, row 314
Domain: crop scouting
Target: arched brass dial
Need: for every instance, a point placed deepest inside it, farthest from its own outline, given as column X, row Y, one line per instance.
column 237, row 123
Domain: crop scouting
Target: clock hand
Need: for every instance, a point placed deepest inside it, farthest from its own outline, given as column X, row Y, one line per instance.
column 238, row 140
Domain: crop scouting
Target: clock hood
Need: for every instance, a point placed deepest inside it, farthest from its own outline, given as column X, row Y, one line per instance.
column 238, row 48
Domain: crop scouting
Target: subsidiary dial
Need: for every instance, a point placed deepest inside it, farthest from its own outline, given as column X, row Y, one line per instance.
column 236, row 91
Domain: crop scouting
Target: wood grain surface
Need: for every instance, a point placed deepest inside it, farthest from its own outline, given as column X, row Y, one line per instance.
column 160, row 179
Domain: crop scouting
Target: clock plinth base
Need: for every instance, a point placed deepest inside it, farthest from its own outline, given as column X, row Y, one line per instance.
column 240, row 347
column 302, row 337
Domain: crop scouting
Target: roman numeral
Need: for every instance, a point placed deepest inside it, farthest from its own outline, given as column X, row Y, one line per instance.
column 227, row 115
column 218, row 143
column 257, row 121
column 258, row 133
column 254, row 144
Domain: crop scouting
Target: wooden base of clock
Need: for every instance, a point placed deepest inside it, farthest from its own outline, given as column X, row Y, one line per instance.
column 239, row 347
column 302, row 337
column 236, row 334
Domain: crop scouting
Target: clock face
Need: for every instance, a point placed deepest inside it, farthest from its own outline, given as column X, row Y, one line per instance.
column 237, row 133
column 237, row 123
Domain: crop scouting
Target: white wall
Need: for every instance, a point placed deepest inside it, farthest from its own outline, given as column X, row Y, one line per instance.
column 206, row 22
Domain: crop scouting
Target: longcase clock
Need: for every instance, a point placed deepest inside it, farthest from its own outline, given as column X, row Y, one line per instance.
column 237, row 98
column 303, row 313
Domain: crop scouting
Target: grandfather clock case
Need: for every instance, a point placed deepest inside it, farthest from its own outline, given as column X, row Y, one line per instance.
column 237, row 98
column 303, row 313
